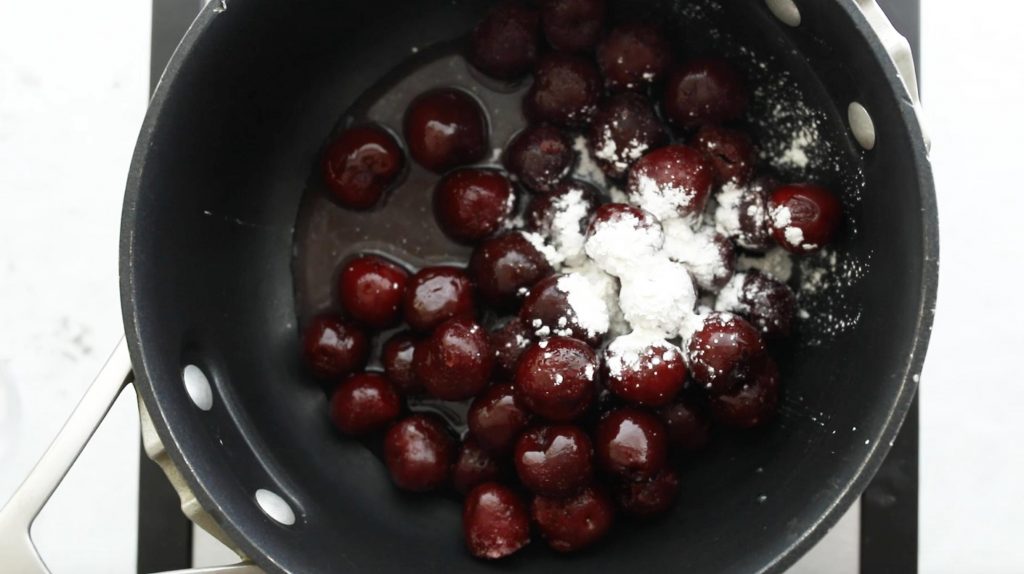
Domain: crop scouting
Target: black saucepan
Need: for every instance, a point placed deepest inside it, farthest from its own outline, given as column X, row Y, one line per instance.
column 222, row 174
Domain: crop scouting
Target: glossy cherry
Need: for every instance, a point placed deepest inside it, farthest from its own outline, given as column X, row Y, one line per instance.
column 631, row 444
column 754, row 403
column 644, row 373
column 505, row 267
column 371, row 289
column 435, row 294
column 768, row 304
column 546, row 311
column 364, row 403
column 506, row 43
column 454, row 363
column 360, row 165
column 473, row 204
column 703, row 91
column 334, row 347
column 495, row 521
column 396, row 357
column 419, row 451
column 473, row 466
column 672, row 181
column 509, row 341
column 445, row 128
column 724, row 352
column 634, row 56
column 688, row 424
column 805, row 217
column 650, row 497
column 569, row 524
column 625, row 127
column 565, row 91
column 555, row 378
column 540, row 156
column 554, row 460
column 744, row 212
column 730, row 151
column 496, row 419
column 572, row 25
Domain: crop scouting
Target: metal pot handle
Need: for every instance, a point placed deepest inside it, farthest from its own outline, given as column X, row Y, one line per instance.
column 902, row 57
column 17, row 552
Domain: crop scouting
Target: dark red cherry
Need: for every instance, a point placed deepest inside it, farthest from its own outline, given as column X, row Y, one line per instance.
column 454, row 363
column 672, row 181
column 753, row 403
column 509, row 341
column 576, row 522
column 572, row 25
column 473, row 204
column 371, row 290
column 742, row 213
column 724, row 352
column 396, row 357
column 364, row 403
column 419, row 451
column 704, row 91
column 571, row 200
column 436, row 294
column 334, row 347
column 631, row 444
column 648, row 498
column 474, row 466
column 633, row 56
column 505, row 44
column 804, row 217
column 730, row 151
column 625, row 128
column 496, row 419
column 495, row 521
column 768, row 304
column 555, row 378
column 554, row 460
column 361, row 164
column 546, row 311
column 688, row 424
column 565, row 91
column 540, row 156
column 644, row 372
column 505, row 267
column 446, row 128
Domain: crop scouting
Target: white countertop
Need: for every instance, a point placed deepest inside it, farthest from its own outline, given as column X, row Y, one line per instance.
column 73, row 87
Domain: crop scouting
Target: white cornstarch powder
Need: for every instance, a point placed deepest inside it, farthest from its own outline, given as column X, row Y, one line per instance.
column 541, row 244
column 615, row 245
column 567, row 233
column 727, row 212
column 588, row 303
column 663, row 201
column 697, row 251
column 657, row 294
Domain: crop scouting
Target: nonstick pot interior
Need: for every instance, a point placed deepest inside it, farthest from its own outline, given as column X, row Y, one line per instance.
column 208, row 243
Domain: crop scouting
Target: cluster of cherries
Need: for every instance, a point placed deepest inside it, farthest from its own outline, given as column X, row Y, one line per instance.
column 547, row 416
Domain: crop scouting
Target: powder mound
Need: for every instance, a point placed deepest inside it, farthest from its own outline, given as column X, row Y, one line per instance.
column 708, row 256
column 588, row 301
column 616, row 244
column 657, row 295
